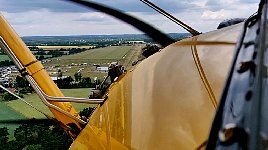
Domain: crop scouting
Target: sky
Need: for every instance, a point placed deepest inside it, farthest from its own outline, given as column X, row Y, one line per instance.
column 60, row 17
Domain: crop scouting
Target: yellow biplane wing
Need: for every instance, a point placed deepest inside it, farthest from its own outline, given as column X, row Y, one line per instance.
column 168, row 101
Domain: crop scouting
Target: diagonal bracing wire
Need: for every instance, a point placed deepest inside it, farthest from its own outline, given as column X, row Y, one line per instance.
column 25, row 102
column 172, row 18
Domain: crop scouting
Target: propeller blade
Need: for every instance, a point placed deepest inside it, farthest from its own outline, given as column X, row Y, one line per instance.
column 152, row 32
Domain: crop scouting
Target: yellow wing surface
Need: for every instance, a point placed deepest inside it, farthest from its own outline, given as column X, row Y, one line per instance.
column 168, row 101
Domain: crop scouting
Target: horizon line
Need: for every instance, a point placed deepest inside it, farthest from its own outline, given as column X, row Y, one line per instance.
column 99, row 34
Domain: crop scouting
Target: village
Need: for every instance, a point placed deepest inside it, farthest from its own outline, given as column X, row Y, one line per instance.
column 7, row 75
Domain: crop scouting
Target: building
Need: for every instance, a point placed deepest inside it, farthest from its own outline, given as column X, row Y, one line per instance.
column 4, row 81
column 102, row 69
column 56, row 78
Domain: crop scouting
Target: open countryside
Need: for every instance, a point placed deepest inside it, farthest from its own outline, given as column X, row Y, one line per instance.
column 25, row 110
column 61, row 62
column 63, row 47
column 86, row 61
column 99, row 55
column 70, row 64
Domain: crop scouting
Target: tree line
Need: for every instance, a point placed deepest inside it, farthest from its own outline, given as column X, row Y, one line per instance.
column 22, row 86
column 6, row 63
column 56, row 52
column 39, row 136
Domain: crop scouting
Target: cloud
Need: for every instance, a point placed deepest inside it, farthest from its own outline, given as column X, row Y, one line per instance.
column 57, row 17
column 228, row 9
column 249, row 1
column 13, row 6
column 222, row 14
column 45, row 22
column 137, row 6
column 221, row 4
column 94, row 18
column 215, row 5
column 65, row 6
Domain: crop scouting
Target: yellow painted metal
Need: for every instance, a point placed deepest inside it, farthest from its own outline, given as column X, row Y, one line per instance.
column 163, row 103
column 109, row 127
column 36, row 70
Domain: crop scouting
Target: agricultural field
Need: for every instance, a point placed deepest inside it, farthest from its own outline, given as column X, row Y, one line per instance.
column 63, row 47
column 16, row 109
column 99, row 55
column 102, row 56
column 33, row 99
column 7, row 113
column 4, row 57
column 70, row 64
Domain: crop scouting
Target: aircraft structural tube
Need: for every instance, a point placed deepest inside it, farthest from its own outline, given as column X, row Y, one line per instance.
column 36, row 70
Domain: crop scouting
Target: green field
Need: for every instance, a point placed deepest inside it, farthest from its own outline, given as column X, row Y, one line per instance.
column 111, row 52
column 123, row 54
column 4, row 57
column 16, row 109
column 33, row 99
column 7, row 113
column 100, row 55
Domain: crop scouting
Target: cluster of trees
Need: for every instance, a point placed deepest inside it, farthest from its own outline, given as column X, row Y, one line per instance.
column 9, row 97
column 55, row 53
column 41, row 57
column 68, row 83
column 64, row 83
column 55, row 42
column 95, row 42
column 149, row 50
column 22, row 87
column 78, row 82
column 44, row 136
column 6, row 63
column 40, row 54
column 83, row 82
column 59, row 52
column 76, row 50
column 35, row 137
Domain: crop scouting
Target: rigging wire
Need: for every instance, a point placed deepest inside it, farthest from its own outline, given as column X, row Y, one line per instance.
column 172, row 18
column 48, row 116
